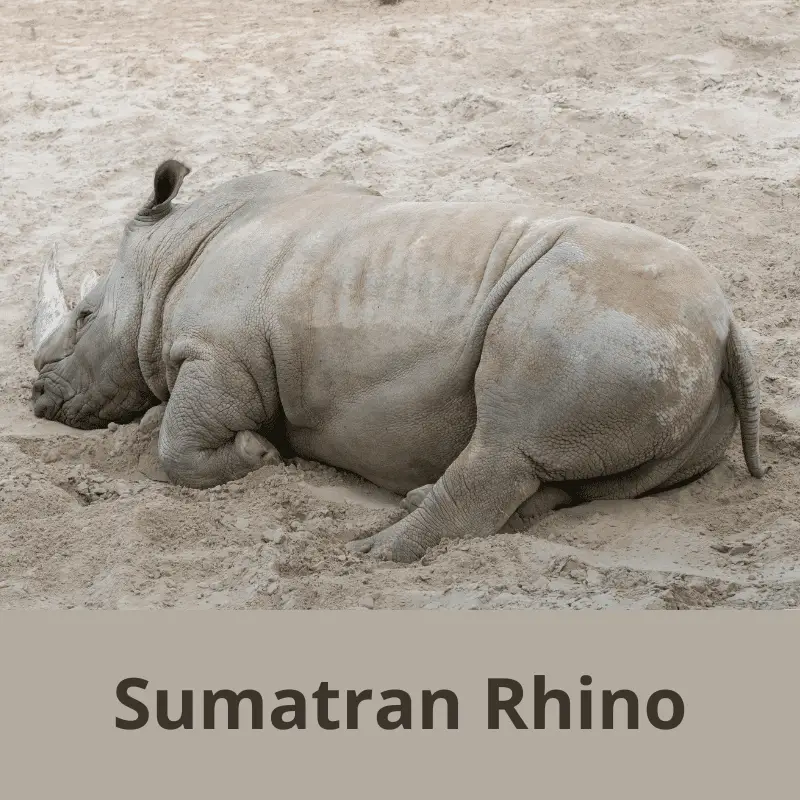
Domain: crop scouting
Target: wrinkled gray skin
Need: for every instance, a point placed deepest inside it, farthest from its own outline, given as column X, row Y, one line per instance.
column 474, row 356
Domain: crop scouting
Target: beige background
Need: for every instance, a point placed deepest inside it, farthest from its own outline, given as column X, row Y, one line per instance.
column 736, row 673
column 682, row 117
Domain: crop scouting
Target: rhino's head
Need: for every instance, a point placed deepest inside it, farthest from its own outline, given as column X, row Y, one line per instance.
column 87, row 357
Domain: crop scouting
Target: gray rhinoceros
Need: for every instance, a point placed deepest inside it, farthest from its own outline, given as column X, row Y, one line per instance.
column 480, row 359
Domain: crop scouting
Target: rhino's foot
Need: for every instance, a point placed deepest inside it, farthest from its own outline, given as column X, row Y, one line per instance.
column 547, row 499
column 416, row 497
column 395, row 543
column 150, row 466
column 152, row 419
column 149, row 463
column 408, row 543
column 254, row 449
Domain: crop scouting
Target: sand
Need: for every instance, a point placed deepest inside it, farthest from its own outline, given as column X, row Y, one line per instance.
column 682, row 118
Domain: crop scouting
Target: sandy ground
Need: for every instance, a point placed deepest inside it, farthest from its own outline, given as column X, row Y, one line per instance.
column 682, row 117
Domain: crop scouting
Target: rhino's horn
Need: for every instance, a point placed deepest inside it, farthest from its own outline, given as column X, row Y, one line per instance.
column 88, row 283
column 51, row 306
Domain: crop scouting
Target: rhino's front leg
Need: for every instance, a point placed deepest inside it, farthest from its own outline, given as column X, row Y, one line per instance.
column 208, row 433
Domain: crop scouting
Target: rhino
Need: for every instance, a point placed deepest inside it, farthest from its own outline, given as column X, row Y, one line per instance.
column 484, row 361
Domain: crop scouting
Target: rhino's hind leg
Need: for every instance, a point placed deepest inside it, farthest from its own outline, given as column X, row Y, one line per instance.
column 543, row 501
column 476, row 496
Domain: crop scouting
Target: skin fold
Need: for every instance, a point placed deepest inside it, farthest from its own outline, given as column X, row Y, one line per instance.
column 488, row 363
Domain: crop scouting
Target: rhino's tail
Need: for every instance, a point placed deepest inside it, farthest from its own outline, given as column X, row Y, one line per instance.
column 742, row 379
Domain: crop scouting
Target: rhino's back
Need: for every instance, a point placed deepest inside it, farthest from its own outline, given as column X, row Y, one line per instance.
column 369, row 306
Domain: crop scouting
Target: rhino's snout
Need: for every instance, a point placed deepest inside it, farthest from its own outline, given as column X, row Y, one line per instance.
column 40, row 402
column 48, row 396
column 45, row 405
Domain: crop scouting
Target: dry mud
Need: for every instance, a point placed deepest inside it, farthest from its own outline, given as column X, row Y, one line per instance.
column 682, row 118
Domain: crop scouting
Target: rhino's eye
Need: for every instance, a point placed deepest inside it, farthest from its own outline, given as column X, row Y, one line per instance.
column 81, row 320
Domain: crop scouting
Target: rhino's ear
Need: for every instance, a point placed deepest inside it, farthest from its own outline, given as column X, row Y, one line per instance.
column 166, row 184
